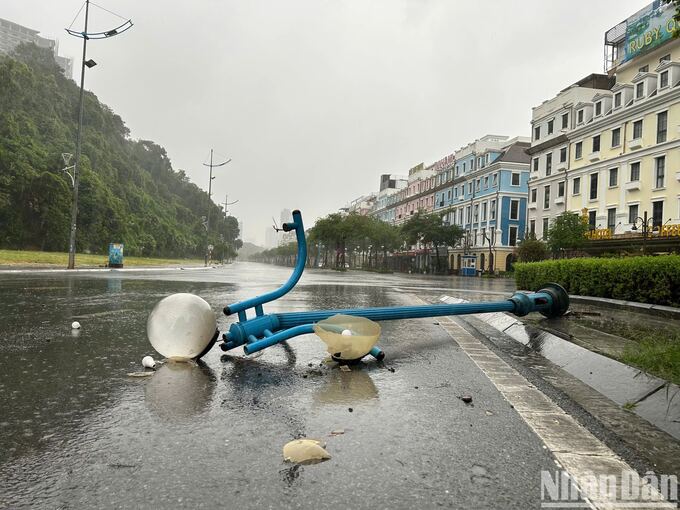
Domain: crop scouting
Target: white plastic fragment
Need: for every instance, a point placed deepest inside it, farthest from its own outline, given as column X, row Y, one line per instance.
column 346, row 332
column 75, row 325
column 148, row 362
column 304, row 450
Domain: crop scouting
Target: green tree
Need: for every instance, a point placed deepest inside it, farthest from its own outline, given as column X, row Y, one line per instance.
column 129, row 190
column 531, row 249
column 566, row 232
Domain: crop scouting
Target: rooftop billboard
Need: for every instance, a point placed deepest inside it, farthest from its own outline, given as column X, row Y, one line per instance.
column 648, row 29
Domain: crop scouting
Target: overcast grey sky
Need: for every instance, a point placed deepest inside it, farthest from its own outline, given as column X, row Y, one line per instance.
column 315, row 99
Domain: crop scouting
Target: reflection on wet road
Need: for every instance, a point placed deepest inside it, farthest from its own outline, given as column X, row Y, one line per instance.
column 76, row 432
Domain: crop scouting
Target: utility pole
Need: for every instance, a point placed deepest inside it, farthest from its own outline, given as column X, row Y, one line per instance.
column 227, row 203
column 79, row 136
column 86, row 36
column 207, row 221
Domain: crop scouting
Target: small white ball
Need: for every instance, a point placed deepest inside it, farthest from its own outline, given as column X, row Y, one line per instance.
column 75, row 325
column 346, row 332
column 148, row 362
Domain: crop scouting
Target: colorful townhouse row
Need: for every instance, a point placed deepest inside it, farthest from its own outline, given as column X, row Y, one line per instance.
column 606, row 147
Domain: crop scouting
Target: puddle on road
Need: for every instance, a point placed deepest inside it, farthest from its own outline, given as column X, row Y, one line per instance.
column 178, row 391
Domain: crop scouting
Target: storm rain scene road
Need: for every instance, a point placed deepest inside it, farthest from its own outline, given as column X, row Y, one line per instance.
column 277, row 254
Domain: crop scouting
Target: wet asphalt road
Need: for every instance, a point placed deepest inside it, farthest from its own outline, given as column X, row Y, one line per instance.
column 76, row 432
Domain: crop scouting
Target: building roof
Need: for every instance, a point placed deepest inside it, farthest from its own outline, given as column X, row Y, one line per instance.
column 515, row 153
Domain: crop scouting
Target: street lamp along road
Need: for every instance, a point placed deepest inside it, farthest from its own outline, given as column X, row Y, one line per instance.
column 212, row 165
column 86, row 36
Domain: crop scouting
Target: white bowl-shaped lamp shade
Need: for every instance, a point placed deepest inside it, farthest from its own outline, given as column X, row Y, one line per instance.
column 181, row 326
column 364, row 334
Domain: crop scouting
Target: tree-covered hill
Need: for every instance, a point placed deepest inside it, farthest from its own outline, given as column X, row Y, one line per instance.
column 129, row 191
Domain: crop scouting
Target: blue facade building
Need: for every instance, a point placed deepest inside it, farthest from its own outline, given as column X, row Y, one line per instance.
column 486, row 194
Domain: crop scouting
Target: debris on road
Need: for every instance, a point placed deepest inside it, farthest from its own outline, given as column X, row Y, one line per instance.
column 140, row 374
column 75, row 325
column 302, row 451
column 337, row 432
column 345, row 368
column 466, row 398
column 148, row 362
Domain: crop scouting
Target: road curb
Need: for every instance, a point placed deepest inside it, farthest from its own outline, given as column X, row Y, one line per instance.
column 667, row 312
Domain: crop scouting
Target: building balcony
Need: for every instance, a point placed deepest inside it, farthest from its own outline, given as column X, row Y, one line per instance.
column 594, row 156
column 559, row 200
column 636, row 143
column 632, row 186
column 561, row 166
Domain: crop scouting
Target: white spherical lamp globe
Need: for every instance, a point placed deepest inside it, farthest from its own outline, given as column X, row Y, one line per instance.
column 181, row 326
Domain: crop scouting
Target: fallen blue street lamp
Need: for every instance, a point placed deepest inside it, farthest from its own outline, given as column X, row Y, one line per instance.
column 261, row 330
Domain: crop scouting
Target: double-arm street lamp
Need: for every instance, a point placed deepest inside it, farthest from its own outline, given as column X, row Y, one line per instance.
column 646, row 224
column 75, row 177
column 207, row 221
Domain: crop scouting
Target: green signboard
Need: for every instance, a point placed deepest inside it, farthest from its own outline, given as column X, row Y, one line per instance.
column 648, row 29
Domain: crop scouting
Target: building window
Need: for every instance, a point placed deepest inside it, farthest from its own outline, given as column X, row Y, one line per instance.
column 663, row 80
column 546, row 227
column 493, row 210
column 616, row 137
column 617, row 99
column 659, row 171
column 513, row 236
column 548, row 163
column 598, row 108
column 535, row 164
column 486, row 182
column 611, row 219
column 640, row 90
column 478, row 184
column 576, row 187
column 455, row 192
column 565, row 120
column 657, row 213
column 632, row 214
column 494, row 179
column 661, row 127
column 463, row 167
column 579, row 117
column 643, row 69
column 563, row 154
column 546, row 197
column 551, row 123
column 596, row 143
column 637, row 129
column 469, row 188
column 532, row 227
column 476, row 213
column 635, row 171
column 593, row 186
column 578, row 150
column 514, row 179
column 613, row 177
column 592, row 219
column 533, row 195
column 514, row 209
column 537, row 132
column 665, row 58
column 484, row 211
column 560, row 189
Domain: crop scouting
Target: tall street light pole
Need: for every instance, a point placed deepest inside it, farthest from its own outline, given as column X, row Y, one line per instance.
column 86, row 36
column 207, row 220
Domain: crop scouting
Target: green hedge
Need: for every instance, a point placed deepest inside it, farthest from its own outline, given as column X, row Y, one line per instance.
column 642, row 279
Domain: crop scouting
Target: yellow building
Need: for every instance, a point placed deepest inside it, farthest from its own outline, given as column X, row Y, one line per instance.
column 623, row 157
